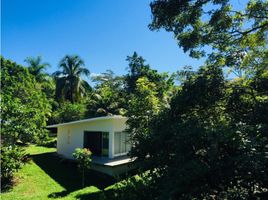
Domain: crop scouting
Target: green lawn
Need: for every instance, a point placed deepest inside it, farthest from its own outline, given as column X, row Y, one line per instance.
column 33, row 150
column 48, row 177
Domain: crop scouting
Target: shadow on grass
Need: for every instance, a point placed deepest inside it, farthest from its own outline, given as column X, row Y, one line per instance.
column 130, row 188
column 101, row 195
column 65, row 173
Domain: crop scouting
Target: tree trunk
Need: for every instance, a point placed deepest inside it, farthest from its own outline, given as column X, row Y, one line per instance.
column 72, row 98
column 83, row 177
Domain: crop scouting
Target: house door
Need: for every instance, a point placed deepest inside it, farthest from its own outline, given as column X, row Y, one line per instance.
column 93, row 141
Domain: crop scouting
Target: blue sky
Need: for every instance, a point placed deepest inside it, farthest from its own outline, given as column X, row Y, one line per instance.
column 102, row 32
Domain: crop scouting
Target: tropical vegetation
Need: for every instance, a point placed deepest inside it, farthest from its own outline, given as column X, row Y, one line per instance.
column 195, row 134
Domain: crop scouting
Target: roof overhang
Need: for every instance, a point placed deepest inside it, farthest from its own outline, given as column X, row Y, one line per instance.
column 87, row 120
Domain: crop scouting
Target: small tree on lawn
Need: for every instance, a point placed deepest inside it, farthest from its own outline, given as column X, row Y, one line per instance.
column 83, row 157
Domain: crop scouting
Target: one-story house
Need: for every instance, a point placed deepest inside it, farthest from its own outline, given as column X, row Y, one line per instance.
column 104, row 136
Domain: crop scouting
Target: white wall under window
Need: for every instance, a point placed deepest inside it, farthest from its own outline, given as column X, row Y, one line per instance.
column 121, row 143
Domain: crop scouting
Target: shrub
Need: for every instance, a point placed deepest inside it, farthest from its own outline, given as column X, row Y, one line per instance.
column 136, row 187
column 83, row 157
column 12, row 158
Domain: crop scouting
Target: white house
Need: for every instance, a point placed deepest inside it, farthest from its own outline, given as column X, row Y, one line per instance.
column 104, row 136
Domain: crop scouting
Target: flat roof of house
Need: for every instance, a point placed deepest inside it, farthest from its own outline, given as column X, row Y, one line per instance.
column 87, row 120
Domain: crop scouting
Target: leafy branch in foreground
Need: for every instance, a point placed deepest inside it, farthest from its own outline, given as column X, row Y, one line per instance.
column 214, row 28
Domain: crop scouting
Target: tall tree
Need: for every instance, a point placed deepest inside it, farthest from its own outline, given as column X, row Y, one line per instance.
column 36, row 67
column 24, row 107
column 143, row 105
column 211, row 143
column 69, row 84
column 138, row 69
column 231, row 32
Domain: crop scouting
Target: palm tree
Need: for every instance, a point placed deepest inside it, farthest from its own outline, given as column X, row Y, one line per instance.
column 69, row 84
column 36, row 67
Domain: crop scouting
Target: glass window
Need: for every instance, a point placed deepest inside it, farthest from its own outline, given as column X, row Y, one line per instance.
column 121, row 143
column 69, row 137
column 117, row 142
column 105, row 143
column 128, row 144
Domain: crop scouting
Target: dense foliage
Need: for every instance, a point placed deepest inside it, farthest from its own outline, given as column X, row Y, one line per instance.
column 109, row 96
column 67, row 111
column 12, row 158
column 25, row 108
column 138, row 69
column 24, row 112
column 203, row 150
column 211, row 142
column 205, row 138
column 219, row 24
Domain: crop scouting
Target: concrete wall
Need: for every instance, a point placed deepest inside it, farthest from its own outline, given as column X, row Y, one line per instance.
column 71, row 136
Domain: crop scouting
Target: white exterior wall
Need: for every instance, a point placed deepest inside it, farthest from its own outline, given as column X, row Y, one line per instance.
column 67, row 146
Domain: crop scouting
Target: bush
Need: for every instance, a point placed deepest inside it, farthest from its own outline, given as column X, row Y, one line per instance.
column 12, row 158
column 83, row 157
column 136, row 187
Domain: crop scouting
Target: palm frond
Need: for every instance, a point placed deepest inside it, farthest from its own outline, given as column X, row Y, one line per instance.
column 72, row 67
column 36, row 67
column 83, row 71
column 57, row 74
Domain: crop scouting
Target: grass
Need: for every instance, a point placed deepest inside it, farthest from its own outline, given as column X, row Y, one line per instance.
column 47, row 176
column 33, row 150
